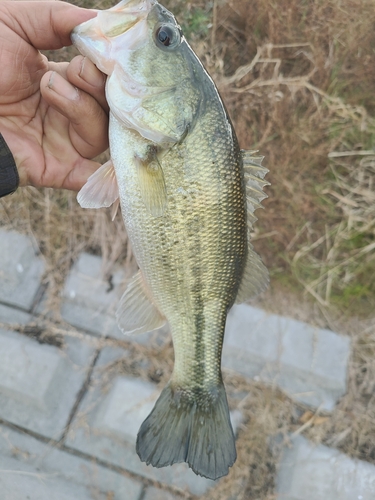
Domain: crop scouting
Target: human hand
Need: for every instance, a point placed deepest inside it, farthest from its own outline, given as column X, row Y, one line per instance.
column 53, row 116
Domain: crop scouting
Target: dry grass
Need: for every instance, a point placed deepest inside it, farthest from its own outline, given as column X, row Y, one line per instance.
column 343, row 258
column 62, row 230
column 298, row 78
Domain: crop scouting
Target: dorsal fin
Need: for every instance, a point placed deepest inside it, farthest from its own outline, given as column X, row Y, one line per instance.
column 254, row 174
column 255, row 278
column 253, row 164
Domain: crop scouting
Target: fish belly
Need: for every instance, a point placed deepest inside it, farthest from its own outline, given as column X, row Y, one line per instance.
column 192, row 258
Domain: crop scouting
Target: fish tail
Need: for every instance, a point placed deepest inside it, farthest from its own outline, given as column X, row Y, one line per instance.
column 190, row 426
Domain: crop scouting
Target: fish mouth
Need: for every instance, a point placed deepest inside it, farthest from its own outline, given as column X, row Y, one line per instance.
column 124, row 25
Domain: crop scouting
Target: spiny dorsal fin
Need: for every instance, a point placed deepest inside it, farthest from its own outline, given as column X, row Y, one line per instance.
column 136, row 313
column 254, row 174
column 253, row 164
column 101, row 189
column 255, row 278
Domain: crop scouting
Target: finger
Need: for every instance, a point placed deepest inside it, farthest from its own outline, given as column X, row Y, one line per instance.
column 88, row 120
column 45, row 25
column 79, row 174
column 82, row 73
column 60, row 67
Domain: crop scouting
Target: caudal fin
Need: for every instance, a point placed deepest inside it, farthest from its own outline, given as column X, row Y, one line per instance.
column 185, row 426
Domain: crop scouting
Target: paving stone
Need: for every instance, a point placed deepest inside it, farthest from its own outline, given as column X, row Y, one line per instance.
column 308, row 363
column 309, row 472
column 21, row 270
column 39, row 383
column 90, row 302
column 11, row 316
column 32, row 470
column 121, row 415
column 109, row 418
column 158, row 494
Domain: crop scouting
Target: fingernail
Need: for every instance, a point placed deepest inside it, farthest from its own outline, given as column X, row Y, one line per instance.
column 59, row 85
column 90, row 73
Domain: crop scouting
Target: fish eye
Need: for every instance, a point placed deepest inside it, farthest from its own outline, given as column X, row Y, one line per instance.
column 167, row 36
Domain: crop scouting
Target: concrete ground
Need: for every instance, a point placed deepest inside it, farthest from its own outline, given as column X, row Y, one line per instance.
column 69, row 417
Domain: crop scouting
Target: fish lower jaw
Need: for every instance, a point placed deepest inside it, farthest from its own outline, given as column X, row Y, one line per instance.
column 95, row 50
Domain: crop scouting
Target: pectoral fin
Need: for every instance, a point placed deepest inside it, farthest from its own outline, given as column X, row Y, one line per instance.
column 115, row 208
column 136, row 312
column 152, row 184
column 101, row 189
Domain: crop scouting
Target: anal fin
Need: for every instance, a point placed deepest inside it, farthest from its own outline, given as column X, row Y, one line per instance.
column 136, row 313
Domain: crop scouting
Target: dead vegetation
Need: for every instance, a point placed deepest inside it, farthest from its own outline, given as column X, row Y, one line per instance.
column 298, row 79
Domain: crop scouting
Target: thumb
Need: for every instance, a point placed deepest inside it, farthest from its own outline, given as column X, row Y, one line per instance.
column 45, row 25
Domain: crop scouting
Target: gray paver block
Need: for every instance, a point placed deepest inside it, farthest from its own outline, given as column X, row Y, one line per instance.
column 35, row 471
column 90, row 303
column 128, row 403
column 109, row 418
column 158, row 494
column 9, row 315
column 309, row 472
column 39, row 383
column 308, row 363
column 20, row 270
column 88, row 300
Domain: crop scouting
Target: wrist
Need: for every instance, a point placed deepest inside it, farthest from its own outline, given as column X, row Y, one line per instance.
column 9, row 178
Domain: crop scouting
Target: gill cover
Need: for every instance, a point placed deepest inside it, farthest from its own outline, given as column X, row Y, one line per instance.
column 151, row 87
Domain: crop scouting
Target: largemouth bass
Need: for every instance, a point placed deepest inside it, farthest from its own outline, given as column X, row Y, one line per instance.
column 187, row 195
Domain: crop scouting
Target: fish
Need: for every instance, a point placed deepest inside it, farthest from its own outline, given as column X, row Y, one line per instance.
column 187, row 194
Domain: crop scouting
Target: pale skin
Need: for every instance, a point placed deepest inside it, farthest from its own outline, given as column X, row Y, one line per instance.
column 53, row 116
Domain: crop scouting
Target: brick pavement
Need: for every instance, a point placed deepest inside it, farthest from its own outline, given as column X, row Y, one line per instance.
column 69, row 427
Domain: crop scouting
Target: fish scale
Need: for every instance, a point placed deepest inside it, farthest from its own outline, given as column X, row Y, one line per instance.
column 200, row 253
column 187, row 203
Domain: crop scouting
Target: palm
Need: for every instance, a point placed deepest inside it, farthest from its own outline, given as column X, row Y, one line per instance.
column 41, row 144
column 51, row 137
